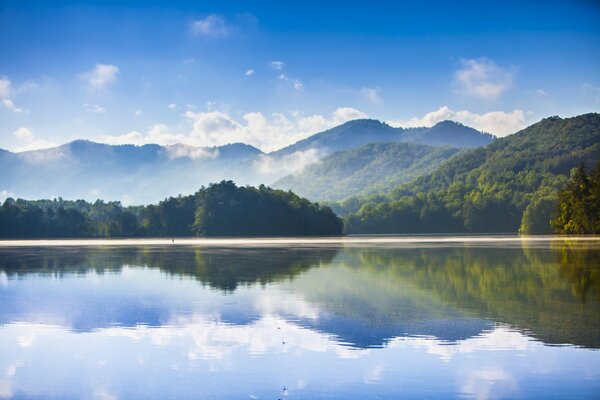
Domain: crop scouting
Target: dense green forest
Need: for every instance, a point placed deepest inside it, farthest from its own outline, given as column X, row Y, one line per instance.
column 368, row 169
column 510, row 185
column 222, row 209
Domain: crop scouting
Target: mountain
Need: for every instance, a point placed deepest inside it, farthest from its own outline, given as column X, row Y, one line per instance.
column 140, row 174
column 145, row 174
column 509, row 183
column 368, row 169
column 356, row 133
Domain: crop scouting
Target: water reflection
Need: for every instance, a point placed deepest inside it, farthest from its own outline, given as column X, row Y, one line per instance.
column 433, row 320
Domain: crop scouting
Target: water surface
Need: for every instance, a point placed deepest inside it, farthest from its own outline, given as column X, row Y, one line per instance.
column 389, row 318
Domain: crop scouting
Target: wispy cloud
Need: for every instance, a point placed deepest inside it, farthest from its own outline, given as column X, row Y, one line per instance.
column 172, row 106
column 27, row 140
column 591, row 90
column 94, row 108
column 211, row 26
column 101, row 76
column 5, row 87
column 541, row 92
column 483, row 78
column 499, row 123
column 371, row 94
column 11, row 106
column 277, row 65
column 250, row 72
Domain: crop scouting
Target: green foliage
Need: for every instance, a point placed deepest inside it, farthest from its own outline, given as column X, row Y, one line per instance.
column 486, row 190
column 579, row 204
column 219, row 210
column 368, row 169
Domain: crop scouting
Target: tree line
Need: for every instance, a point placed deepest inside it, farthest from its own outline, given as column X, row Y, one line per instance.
column 221, row 209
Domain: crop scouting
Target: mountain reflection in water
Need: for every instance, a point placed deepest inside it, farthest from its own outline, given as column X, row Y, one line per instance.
column 216, row 303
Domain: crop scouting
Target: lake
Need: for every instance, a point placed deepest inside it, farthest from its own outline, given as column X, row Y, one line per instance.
column 375, row 317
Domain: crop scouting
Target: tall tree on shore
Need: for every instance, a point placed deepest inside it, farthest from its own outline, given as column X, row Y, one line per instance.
column 579, row 204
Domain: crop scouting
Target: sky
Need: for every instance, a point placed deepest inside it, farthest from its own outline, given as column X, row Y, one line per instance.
column 207, row 73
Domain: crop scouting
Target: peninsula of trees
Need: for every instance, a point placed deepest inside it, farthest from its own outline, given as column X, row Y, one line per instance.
column 222, row 209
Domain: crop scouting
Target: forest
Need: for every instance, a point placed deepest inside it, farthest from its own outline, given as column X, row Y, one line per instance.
column 509, row 186
column 222, row 209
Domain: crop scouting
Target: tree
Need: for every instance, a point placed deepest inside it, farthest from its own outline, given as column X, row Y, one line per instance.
column 579, row 210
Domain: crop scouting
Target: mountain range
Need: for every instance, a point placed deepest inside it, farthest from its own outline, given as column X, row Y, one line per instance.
column 143, row 174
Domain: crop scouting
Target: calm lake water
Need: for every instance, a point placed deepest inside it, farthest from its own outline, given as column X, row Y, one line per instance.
column 269, row 320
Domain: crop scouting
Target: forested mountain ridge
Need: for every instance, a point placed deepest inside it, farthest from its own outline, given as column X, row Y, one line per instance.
column 488, row 189
column 359, row 132
column 371, row 168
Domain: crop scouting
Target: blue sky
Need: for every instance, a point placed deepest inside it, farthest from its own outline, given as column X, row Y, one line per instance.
column 270, row 73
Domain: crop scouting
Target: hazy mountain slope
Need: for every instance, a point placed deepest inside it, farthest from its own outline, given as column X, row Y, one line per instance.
column 141, row 174
column 356, row 133
column 488, row 189
column 371, row 168
column 448, row 133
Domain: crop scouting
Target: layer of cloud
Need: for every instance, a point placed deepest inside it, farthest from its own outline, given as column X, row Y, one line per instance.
column 211, row 26
column 483, row 78
column 288, row 164
column 101, row 76
column 27, row 140
column 217, row 128
column 499, row 123
column 195, row 153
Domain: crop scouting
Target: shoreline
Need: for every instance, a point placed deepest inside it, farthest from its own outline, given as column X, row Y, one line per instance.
column 261, row 241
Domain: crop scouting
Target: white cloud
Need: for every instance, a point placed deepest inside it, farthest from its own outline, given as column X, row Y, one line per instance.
column 101, row 75
column 371, row 94
column 499, row 123
column 483, row 78
column 277, row 65
column 11, row 106
column 299, row 86
column 283, row 77
column 137, row 113
column 5, row 87
column 183, row 151
column 250, row 72
column 172, row 106
column 28, row 141
column 290, row 163
column 216, row 128
column 542, row 93
column 95, row 108
column 211, row 26
column 189, row 61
